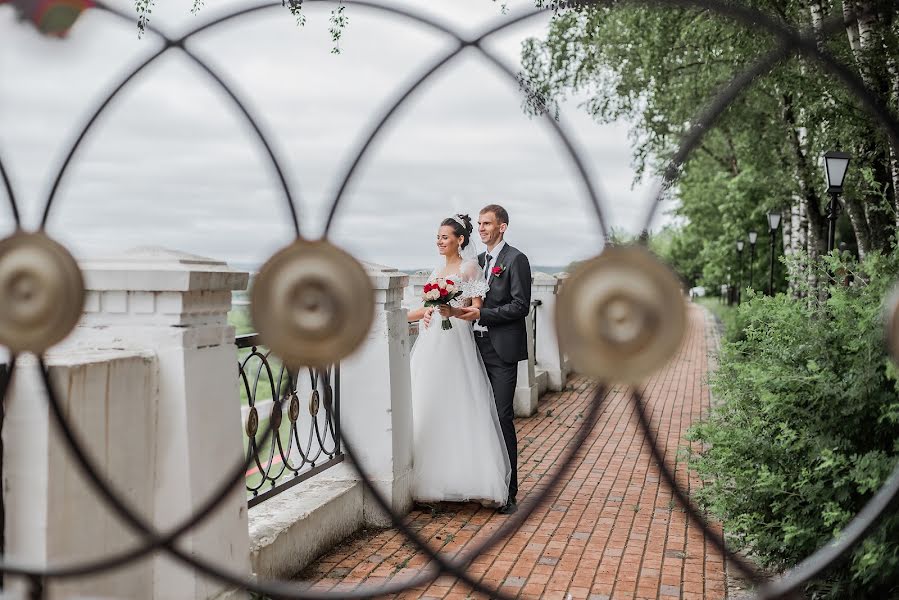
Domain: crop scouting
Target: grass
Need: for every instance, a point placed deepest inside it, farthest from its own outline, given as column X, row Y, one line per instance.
column 717, row 308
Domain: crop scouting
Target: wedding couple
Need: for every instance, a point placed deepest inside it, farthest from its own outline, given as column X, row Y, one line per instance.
column 464, row 378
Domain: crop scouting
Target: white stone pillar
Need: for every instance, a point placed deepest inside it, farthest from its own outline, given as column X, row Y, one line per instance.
column 526, row 390
column 548, row 356
column 562, row 276
column 376, row 397
column 176, row 306
column 53, row 515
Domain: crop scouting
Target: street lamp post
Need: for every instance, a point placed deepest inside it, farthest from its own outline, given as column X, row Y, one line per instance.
column 773, row 224
column 753, row 237
column 740, row 276
column 835, row 166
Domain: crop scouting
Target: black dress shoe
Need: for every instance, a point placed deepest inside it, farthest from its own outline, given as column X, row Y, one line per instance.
column 508, row 508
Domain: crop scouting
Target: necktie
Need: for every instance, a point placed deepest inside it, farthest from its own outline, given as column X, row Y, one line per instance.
column 487, row 259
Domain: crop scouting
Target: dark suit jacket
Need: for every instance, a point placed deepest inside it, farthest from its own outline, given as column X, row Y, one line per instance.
column 507, row 304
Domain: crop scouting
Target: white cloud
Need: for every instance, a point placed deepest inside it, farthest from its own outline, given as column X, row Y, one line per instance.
column 172, row 163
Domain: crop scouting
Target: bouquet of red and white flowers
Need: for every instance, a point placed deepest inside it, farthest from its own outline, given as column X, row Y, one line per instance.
column 441, row 291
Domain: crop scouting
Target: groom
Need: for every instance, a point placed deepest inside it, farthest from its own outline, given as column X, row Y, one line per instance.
column 499, row 326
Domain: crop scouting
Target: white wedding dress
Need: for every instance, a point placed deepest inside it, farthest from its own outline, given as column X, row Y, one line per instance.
column 458, row 450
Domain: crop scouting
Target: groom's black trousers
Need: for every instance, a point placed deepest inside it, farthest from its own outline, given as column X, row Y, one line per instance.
column 503, row 378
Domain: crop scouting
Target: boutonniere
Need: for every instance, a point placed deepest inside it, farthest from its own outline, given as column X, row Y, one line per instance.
column 498, row 270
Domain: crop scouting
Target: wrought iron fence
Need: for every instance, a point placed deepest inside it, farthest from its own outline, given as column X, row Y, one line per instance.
column 787, row 43
column 288, row 451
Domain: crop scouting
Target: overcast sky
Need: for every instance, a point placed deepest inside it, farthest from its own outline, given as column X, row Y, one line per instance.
column 171, row 163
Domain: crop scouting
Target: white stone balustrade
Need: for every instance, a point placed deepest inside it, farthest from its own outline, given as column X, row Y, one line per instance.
column 527, row 391
column 548, row 355
column 149, row 378
column 289, row 530
column 376, row 403
column 53, row 516
column 180, row 432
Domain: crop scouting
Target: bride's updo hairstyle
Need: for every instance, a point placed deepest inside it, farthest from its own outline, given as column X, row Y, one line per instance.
column 461, row 225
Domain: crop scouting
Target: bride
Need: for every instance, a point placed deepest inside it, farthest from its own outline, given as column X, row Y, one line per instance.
column 458, row 451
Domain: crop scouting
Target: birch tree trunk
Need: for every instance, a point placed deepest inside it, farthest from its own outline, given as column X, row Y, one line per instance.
column 867, row 44
column 891, row 45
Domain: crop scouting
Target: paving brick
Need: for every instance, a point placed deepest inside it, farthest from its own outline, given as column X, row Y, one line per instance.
column 611, row 530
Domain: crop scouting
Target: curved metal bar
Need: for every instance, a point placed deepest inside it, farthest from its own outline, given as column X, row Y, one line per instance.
column 169, row 43
column 241, row 105
column 11, row 196
column 708, row 119
column 386, row 116
column 87, row 127
column 853, row 533
column 793, row 42
column 7, row 379
column 810, row 568
column 401, row 99
column 573, row 154
column 851, row 536
column 152, row 540
column 264, row 467
column 252, row 451
column 273, row 425
column 85, row 463
column 452, row 567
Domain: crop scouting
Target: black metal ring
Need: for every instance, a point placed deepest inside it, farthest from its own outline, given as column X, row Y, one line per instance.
column 169, row 43
column 790, row 41
column 401, row 99
column 156, row 541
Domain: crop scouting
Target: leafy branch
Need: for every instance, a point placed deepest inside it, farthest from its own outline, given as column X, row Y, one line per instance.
column 338, row 23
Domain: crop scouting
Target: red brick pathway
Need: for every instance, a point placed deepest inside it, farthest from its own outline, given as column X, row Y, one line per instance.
column 611, row 531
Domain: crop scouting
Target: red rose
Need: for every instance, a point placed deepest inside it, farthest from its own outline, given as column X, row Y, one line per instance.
column 428, row 287
column 443, row 292
column 450, row 282
column 496, row 270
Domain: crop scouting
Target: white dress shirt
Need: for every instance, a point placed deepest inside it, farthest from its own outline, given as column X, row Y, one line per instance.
column 487, row 268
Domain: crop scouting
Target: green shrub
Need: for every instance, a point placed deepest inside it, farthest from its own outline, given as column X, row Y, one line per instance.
column 805, row 429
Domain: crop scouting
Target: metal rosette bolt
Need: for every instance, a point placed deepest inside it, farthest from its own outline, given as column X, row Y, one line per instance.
column 312, row 304
column 621, row 316
column 41, row 292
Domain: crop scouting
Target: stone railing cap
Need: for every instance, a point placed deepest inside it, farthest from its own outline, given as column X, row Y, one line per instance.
column 152, row 268
column 377, row 268
column 384, row 277
column 542, row 277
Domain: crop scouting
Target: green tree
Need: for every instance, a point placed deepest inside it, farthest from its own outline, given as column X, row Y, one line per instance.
column 657, row 67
